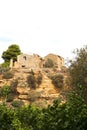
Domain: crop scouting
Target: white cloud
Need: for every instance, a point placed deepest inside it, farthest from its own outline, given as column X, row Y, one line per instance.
column 49, row 26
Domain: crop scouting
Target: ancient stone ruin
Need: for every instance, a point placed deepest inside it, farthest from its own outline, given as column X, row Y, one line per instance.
column 34, row 61
column 58, row 60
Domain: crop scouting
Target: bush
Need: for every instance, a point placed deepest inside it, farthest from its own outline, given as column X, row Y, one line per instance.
column 49, row 63
column 39, row 79
column 71, row 115
column 7, row 118
column 17, row 103
column 4, row 69
column 8, row 75
column 5, row 64
column 31, row 81
column 14, row 83
column 13, row 86
column 58, row 80
column 33, row 95
column 4, row 91
column 10, row 97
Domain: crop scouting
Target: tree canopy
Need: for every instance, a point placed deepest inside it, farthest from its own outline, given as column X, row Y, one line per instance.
column 78, row 70
column 71, row 115
column 11, row 53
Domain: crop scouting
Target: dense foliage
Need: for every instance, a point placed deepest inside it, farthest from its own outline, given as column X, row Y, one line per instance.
column 71, row 115
column 78, row 71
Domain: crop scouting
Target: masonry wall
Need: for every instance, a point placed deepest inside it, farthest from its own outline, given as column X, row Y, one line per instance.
column 58, row 60
column 34, row 61
column 28, row 61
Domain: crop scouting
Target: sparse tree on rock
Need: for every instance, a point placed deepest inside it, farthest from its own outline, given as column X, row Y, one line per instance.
column 11, row 53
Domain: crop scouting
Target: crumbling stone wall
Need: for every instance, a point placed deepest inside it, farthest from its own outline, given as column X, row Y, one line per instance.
column 58, row 60
column 34, row 61
column 27, row 61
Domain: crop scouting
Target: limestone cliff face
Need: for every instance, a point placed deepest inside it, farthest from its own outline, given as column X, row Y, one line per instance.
column 42, row 95
column 45, row 92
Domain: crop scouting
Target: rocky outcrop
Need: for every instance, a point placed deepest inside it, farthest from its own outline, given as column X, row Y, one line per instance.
column 44, row 93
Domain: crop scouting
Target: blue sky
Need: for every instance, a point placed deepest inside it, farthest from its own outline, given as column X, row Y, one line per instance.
column 43, row 26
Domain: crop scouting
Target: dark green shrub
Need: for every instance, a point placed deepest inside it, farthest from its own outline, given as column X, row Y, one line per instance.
column 39, row 79
column 4, row 91
column 13, row 86
column 71, row 115
column 10, row 97
column 58, row 80
column 14, row 83
column 17, row 103
column 31, row 81
column 8, row 75
column 7, row 118
column 49, row 63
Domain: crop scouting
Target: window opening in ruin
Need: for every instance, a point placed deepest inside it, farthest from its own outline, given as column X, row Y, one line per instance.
column 23, row 66
column 24, row 57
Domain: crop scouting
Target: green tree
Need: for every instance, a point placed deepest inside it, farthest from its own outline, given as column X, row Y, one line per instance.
column 78, row 70
column 8, row 119
column 11, row 53
column 71, row 115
